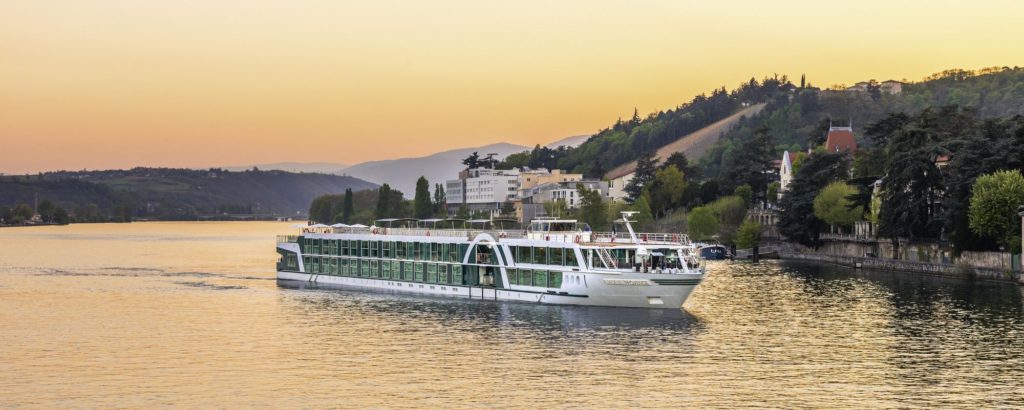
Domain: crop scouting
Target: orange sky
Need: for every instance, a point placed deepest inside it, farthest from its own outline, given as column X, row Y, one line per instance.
column 119, row 83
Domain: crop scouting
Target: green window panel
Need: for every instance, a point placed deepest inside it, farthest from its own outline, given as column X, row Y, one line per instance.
column 554, row 279
column 555, row 256
column 540, row 278
column 540, row 256
column 570, row 258
column 513, row 276
column 525, row 277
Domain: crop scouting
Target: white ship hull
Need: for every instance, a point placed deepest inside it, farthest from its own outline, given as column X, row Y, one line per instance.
column 635, row 290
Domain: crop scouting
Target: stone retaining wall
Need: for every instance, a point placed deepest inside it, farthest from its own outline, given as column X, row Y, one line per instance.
column 955, row 271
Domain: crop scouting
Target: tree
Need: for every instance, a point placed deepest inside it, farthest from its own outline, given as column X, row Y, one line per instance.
column 643, row 209
column 472, row 161
column 21, row 213
column 751, row 163
column 556, row 208
column 912, row 185
column 60, row 216
column 643, row 176
column 46, row 210
column 796, row 219
column 422, row 207
column 383, row 202
column 730, row 211
column 667, row 190
column 773, row 191
column 994, row 201
column 748, row 235
column 440, row 200
column 702, row 223
column 709, row 191
column 347, row 210
column 833, row 205
column 462, row 213
column 5, row 215
column 746, row 192
column 683, row 164
column 508, row 209
column 593, row 209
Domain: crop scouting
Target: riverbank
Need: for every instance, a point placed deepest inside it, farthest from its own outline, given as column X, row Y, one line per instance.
column 937, row 269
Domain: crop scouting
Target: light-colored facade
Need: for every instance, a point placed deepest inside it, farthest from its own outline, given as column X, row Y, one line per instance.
column 617, row 187
column 785, row 172
column 482, row 189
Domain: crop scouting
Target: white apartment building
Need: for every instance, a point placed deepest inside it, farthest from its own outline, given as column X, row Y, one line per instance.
column 482, row 189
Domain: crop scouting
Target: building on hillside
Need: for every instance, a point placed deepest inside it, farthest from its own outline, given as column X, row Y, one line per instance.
column 891, row 87
column 482, row 189
column 531, row 205
column 885, row 87
column 841, row 139
column 785, row 172
column 617, row 187
column 529, row 178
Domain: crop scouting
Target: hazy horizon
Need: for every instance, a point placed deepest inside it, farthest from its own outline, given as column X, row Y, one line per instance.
column 117, row 84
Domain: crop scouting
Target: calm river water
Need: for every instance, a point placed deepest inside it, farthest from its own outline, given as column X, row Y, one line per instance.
column 189, row 314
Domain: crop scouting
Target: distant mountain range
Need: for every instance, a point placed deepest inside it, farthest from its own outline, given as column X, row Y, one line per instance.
column 308, row 167
column 173, row 194
column 402, row 173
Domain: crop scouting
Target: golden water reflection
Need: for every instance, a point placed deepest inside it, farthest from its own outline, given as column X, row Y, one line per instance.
column 190, row 314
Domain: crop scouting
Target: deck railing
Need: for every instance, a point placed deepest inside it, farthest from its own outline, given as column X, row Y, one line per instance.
column 287, row 238
column 643, row 237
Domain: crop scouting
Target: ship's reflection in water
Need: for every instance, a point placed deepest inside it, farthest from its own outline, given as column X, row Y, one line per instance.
column 531, row 315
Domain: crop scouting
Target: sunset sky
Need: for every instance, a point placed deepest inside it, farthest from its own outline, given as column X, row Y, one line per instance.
column 183, row 83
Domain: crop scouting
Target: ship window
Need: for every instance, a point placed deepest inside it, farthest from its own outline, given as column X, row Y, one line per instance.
column 554, row 279
column 525, row 277
column 525, row 254
column 463, row 249
column 387, row 250
column 513, row 278
column 570, row 257
column 435, row 252
column 457, row 274
column 555, row 256
column 403, row 270
column 307, row 263
column 417, row 272
column 399, row 250
column 432, row 273
column 540, row 256
column 385, row 269
column 453, row 253
column 540, row 278
column 364, row 267
column 291, row 261
column 417, row 250
column 442, row 274
column 374, row 269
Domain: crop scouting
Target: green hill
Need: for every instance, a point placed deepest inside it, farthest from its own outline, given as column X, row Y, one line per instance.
column 171, row 194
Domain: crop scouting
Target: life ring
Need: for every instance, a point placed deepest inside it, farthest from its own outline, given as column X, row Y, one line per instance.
column 428, row 233
column 645, row 237
column 373, row 231
column 578, row 238
column 547, row 238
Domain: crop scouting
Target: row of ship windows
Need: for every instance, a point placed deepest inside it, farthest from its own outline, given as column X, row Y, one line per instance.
column 418, row 271
column 396, row 270
column 437, row 252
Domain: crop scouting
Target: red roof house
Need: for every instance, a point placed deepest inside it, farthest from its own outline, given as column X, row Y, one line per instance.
column 841, row 139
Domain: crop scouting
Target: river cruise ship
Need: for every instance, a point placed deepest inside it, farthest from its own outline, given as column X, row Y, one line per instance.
column 554, row 261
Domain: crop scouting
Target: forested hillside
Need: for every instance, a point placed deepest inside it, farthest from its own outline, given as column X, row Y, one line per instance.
column 162, row 193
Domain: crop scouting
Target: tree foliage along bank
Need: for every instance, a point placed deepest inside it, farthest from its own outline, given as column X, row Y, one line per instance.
column 174, row 194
